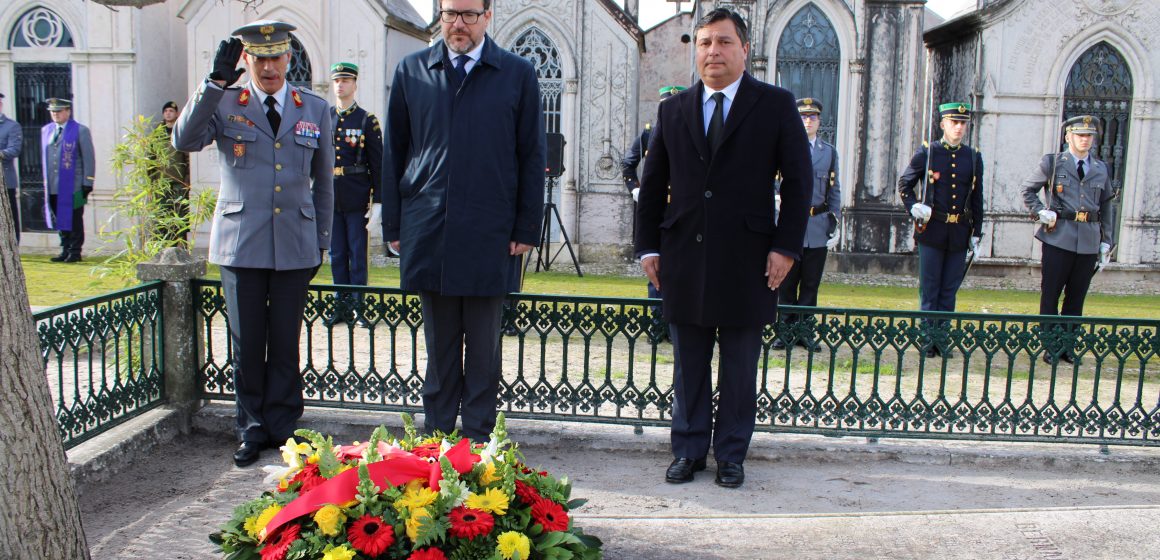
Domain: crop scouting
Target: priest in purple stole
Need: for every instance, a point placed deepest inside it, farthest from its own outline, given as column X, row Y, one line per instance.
column 66, row 150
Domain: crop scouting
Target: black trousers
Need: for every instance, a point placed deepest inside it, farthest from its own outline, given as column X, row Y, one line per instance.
column 801, row 283
column 1068, row 273
column 463, row 362
column 264, row 308
column 71, row 241
column 14, row 204
column 693, row 428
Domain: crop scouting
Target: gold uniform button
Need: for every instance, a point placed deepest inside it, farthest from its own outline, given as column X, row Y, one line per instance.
column 952, row 175
column 337, row 157
column 277, row 167
column 277, row 188
column 953, row 156
column 277, row 145
column 952, row 165
column 277, row 210
column 954, row 196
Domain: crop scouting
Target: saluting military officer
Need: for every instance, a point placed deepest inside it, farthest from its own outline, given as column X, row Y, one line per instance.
column 272, row 221
column 950, row 213
column 1078, row 221
column 358, row 160
column 801, row 284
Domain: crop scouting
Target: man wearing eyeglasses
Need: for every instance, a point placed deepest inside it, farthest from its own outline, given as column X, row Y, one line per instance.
column 463, row 198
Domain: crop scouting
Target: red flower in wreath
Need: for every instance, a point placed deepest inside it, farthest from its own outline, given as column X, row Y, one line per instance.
column 427, row 450
column 370, row 536
column 310, row 478
column 427, row 554
column 526, row 492
column 550, row 514
column 467, row 523
column 280, row 541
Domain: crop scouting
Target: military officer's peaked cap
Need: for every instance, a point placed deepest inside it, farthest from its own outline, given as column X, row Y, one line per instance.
column 170, row 105
column 956, row 111
column 669, row 91
column 343, row 70
column 809, row 106
column 1083, row 124
column 265, row 38
column 58, row 104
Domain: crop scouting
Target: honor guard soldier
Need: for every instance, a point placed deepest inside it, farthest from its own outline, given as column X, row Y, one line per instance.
column 271, row 225
column 949, row 214
column 805, row 277
column 632, row 161
column 358, row 160
column 1078, row 220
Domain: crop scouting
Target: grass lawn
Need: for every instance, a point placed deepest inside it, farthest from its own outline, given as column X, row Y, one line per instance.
column 52, row 283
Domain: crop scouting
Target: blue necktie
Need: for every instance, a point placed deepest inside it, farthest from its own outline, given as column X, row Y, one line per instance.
column 461, row 67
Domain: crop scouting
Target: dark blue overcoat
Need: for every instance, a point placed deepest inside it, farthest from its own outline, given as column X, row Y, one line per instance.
column 463, row 170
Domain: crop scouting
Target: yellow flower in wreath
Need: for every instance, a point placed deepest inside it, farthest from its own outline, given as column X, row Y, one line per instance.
column 254, row 525
column 330, row 519
column 416, row 498
column 413, row 522
column 492, row 500
column 338, row 553
column 510, row 543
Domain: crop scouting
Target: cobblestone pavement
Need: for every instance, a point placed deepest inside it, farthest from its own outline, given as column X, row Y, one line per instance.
column 805, row 497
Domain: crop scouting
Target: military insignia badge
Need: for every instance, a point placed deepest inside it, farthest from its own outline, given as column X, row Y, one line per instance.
column 267, row 31
column 962, row 108
column 239, row 150
column 297, row 98
column 244, row 98
column 1059, row 188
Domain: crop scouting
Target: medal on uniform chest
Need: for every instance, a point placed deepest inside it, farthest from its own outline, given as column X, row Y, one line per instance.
column 307, row 130
column 239, row 150
column 352, row 136
column 1059, row 188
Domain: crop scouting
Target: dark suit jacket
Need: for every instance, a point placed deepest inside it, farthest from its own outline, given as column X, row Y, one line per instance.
column 715, row 234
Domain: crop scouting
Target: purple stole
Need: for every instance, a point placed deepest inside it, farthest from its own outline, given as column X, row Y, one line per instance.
column 66, row 182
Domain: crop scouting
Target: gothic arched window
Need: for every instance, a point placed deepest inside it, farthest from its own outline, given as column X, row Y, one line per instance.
column 299, row 73
column 808, row 57
column 40, row 28
column 538, row 49
column 1100, row 84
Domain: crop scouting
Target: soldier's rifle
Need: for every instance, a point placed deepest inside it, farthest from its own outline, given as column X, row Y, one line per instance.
column 1048, row 184
column 928, row 125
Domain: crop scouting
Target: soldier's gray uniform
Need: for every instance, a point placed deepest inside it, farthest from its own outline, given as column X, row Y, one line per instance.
column 276, row 201
column 1070, row 195
column 1085, row 218
column 826, row 202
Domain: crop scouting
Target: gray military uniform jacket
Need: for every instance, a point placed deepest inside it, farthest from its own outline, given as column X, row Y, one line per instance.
column 818, row 228
column 276, row 200
column 11, row 141
column 1069, row 195
column 86, row 168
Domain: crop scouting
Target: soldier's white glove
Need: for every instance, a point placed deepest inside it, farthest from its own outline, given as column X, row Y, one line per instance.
column 636, row 194
column 374, row 217
column 777, row 203
column 1105, row 254
column 1047, row 217
column 921, row 212
column 832, row 242
column 975, row 244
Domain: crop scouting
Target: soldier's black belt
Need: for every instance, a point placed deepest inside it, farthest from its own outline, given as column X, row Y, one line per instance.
column 350, row 170
column 822, row 209
column 945, row 218
column 1083, row 216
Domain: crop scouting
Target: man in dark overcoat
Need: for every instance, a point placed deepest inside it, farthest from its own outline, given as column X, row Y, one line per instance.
column 463, row 198
column 714, row 250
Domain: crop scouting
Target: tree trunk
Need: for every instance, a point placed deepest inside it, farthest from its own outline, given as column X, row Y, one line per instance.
column 40, row 517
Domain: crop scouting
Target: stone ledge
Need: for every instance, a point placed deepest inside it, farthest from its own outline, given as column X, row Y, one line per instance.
column 105, row 455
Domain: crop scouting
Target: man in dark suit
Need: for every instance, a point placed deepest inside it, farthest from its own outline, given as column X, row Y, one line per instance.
column 272, row 221
column 463, row 198
column 11, row 140
column 714, row 249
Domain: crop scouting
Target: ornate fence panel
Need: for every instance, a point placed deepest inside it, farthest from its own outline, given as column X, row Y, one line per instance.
column 872, row 373
column 103, row 358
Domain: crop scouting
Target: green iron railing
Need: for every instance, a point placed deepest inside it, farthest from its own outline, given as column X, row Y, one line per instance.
column 605, row 360
column 103, row 358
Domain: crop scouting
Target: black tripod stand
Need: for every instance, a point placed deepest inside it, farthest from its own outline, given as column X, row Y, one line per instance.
column 543, row 256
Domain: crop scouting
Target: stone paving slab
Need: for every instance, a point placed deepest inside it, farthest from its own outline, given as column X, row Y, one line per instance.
column 805, row 497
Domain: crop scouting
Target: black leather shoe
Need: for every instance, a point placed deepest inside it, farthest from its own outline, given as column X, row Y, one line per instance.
column 681, row 470
column 59, row 258
column 1048, row 359
column 72, row 259
column 333, row 320
column 778, row 344
column 248, row 453
column 1067, row 357
column 730, row 475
